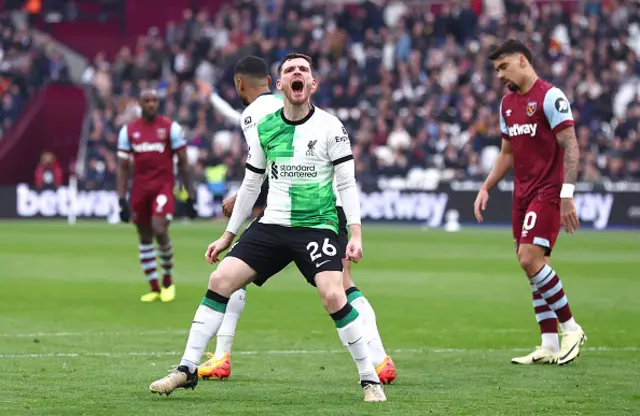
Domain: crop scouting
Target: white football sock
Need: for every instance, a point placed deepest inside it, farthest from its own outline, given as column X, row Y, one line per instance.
column 227, row 331
column 205, row 324
column 570, row 325
column 353, row 337
column 374, row 342
column 550, row 341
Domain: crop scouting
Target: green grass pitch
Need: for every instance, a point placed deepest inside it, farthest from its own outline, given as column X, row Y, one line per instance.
column 452, row 310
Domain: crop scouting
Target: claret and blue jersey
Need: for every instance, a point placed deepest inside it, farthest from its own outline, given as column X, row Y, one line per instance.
column 152, row 145
column 530, row 122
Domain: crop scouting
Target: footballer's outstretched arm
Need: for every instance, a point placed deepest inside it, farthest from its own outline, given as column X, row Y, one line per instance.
column 225, row 108
column 122, row 174
column 219, row 103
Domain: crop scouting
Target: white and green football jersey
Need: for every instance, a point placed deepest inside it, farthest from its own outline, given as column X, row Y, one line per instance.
column 264, row 105
column 299, row 158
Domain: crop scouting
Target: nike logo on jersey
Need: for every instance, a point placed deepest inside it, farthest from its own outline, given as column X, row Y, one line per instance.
column 271, row 147
column 321, row 263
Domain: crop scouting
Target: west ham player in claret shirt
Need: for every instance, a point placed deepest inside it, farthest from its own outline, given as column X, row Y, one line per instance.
column 539, row 143
column 151, row 142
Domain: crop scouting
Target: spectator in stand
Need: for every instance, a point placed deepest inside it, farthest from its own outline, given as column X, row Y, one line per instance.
column 27, row 62
column 48, row 174
column 411, row 82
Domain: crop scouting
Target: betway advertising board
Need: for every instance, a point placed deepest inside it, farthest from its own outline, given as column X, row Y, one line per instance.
column 599, row 207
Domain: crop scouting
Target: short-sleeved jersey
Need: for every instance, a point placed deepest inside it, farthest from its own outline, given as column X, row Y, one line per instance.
column 262, row 106
column 152, row 145
column 530, row 122
column 299, row 158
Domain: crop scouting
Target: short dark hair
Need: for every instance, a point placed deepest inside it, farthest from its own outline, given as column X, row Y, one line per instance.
column 252, row 66
column 292, row 56
column 511, row 47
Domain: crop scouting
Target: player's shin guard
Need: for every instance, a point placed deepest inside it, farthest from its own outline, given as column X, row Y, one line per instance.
column 148, row 263
column 352, row 334
column 165, row 253
column 550, row 288
column 368, row 315
column 547, row 321
column 205, row 325
column 227, row 330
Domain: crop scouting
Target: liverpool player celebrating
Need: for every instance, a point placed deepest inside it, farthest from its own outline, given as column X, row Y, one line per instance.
column 297, row 147
column 539, row 142
column 252, row 84
column 151, row 141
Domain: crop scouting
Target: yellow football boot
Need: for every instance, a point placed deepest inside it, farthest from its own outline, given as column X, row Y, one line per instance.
column 167, row 294
column 150, row 297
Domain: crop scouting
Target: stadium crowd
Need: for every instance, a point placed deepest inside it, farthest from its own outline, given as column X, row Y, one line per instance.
column 415, row 89
column 26, row 62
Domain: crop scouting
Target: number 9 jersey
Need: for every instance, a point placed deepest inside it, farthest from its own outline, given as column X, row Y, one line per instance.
column 151, row 147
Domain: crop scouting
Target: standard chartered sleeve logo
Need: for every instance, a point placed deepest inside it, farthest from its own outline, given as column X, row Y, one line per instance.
column 293, row 171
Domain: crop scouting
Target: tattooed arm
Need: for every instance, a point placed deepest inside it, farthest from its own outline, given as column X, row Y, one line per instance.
column 569, row 142
column 557, row 110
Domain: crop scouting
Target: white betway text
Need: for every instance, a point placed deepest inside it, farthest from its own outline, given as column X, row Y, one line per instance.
column 522, row 130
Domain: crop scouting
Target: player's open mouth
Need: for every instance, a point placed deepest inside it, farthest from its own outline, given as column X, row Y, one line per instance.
column 297, row 86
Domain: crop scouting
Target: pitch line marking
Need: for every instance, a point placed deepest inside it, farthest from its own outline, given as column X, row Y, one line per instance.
column 297, row 352
column 184, row 332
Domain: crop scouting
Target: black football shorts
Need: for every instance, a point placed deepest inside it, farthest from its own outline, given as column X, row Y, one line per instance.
column 269, row 248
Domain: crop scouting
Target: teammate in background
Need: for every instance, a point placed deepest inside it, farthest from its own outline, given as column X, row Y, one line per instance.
column 151, row 141
column 256, row 87
column 252, row 81
column 539, row 142
column 297, row 145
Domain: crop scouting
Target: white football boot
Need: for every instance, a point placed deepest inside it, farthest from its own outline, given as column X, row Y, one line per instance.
column 570, row 345
column 374, row 393
column 541, row 355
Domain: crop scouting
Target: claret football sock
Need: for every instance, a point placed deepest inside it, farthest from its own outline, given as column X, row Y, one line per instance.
column 165, row 253
column 550, row 289
column 547, row 321
column 148, row 263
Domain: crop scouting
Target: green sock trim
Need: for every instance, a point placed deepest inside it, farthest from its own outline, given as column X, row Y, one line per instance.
column 354, row 295
column 350, row 317
column 212, row 304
